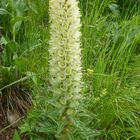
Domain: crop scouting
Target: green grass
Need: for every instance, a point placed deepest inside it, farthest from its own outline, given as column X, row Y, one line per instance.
column 111, row 66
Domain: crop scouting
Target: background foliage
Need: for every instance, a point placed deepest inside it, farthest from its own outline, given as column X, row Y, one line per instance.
column 111, row 67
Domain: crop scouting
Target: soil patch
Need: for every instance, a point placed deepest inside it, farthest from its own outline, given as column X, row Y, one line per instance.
column 8, row 133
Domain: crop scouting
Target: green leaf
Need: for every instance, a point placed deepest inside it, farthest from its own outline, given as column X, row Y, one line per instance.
column 33, row 77
column 61, row 127
column 17, row 19
column 3, row 41
column 33, row 8
column 20, row 63
column 31, row 45
column 115, row 9
column 3, row 11
column 16, row 23
column 9, row 51
column 25, row 128
column 20, row 7
column 16, row 136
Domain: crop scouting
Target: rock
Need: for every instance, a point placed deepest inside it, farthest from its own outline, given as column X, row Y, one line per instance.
column 13, row 118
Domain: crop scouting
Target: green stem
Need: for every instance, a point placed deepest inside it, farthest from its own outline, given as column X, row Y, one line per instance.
column 15, row 82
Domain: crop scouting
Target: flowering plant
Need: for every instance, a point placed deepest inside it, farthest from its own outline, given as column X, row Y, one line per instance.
column 65, row 57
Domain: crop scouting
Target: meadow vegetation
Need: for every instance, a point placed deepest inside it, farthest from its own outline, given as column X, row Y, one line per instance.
column 110, row 43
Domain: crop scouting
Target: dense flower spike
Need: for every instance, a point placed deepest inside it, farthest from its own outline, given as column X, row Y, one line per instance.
column 65, row 53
